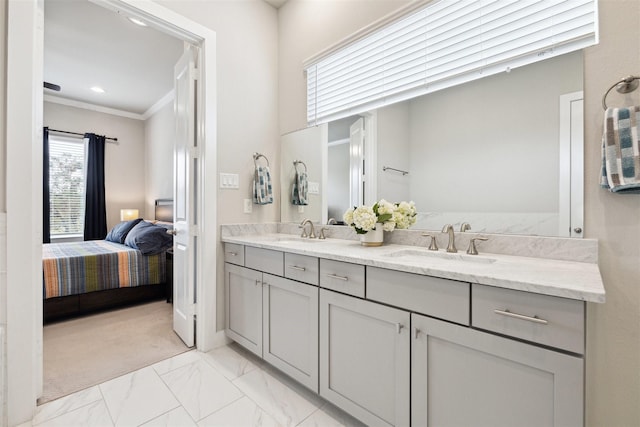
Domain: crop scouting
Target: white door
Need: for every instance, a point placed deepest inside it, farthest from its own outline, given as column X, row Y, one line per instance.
column 356, row 158
column 571, row 179
column 184, row 214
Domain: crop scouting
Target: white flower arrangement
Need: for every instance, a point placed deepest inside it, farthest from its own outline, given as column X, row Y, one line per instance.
column 390, row 215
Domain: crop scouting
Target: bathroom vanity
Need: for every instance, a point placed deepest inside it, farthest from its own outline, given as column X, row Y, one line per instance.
column 400, row 335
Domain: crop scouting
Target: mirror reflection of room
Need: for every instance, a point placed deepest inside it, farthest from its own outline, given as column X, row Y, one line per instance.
column 490, row 152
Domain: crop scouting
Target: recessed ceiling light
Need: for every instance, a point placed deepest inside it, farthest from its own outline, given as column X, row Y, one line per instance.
column 137, row 21
column 97, row 89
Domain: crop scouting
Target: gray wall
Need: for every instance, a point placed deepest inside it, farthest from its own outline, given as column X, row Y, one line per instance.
column 247, row 105
column 394, row 150
column 613, row 347
column 124, row 164
column 305, row 145
column 461, row 138
column 159, row 135
column 3, row 97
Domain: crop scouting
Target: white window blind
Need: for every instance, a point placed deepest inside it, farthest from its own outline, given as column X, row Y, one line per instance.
column 66, row 186
column 445, row 44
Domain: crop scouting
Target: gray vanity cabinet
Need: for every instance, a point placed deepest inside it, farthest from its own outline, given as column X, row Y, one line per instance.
column 243, row 306
column 462, row 376
column 290, row 328
column 364, row 354
column 274, row 317
column 394, row 348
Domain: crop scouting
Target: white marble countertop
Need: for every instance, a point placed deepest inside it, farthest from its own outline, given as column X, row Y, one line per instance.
column 568, row 279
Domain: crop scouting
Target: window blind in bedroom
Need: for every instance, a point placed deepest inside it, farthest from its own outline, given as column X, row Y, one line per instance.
column 66, row 185
column 444, row 44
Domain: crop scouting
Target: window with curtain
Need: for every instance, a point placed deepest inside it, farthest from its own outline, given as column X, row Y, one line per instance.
column 441, row 45
column 67, row 186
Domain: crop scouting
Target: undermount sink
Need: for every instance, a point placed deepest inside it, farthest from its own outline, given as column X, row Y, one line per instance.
column 414, row 254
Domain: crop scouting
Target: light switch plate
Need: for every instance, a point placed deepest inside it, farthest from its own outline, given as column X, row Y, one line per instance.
column 248, row 206
column 314, row 187
column 229, row 180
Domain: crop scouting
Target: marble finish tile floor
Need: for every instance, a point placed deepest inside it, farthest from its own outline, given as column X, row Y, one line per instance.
column 225, row 387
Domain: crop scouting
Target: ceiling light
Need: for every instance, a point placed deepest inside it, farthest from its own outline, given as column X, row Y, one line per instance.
column 97, row 89
column 137, row 22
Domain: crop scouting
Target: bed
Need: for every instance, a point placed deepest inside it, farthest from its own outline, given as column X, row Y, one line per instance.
column 128, row 267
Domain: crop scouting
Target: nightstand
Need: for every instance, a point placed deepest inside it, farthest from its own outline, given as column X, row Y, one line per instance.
column 169, row 275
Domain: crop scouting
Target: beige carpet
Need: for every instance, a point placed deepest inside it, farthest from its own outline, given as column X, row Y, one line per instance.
column 83, row 352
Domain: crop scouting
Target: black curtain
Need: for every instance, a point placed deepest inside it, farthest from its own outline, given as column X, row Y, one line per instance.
column 95, row 212
column 46, row 206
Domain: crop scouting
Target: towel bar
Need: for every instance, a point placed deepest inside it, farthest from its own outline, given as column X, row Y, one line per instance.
column 626, row 85
column 386, row 168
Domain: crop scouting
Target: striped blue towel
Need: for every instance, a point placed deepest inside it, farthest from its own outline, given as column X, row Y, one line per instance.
column 300, row 189
column 262, row 190
column 620, row 171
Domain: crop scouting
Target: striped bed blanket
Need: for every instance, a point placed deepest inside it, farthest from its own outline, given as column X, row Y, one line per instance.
column 80, row 267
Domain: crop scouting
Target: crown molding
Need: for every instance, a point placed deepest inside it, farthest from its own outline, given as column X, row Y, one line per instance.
column 93, row 107
column 167, row 98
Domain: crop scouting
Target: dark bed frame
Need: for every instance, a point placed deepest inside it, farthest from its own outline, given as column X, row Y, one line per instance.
column 60, row 308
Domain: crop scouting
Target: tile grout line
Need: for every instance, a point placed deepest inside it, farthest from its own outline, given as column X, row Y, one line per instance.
column 66, row 412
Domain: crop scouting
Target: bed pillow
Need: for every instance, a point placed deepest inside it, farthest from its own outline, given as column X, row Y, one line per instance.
column 119, row 232
column 149, row 238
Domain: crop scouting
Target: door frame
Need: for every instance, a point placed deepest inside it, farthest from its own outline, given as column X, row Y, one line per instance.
column 25, row 50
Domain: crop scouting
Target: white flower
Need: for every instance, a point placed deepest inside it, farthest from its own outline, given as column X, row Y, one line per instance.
column 391, row 215
column 389, row 226
column 348, row 217
column 364, row 218
column 405, row 215
column 385, row 207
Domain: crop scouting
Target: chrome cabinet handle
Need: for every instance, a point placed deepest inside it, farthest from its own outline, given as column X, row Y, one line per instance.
column 399, row 327
column 233, row 253
column 416, row 333
column 534, row 319
column 295, row 267
column 258, row 282
column 335, row 276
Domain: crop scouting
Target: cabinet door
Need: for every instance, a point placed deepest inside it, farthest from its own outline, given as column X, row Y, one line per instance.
column 461, row 376
column 290, row 328
column 243, row 304
column 364, row 359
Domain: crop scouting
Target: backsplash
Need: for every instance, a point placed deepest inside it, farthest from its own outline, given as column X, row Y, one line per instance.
column 538, row 224
column 560, row 248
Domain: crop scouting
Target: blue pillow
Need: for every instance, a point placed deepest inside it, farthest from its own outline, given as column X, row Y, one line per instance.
column 119, row 232
column 148, row 238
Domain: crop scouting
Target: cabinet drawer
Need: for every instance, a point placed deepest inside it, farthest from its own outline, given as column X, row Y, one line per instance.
column 266, row 260
column 548, row 320
column 234, row 253
column 342, row 277
column 302, row 268
column 433, row 296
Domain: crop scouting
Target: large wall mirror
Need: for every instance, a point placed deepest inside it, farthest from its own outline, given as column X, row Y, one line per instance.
column 503, row 153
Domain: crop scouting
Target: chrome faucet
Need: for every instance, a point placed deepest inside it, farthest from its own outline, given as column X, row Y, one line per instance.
column 303, row 225
column 465, row 226
column 451, row 247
